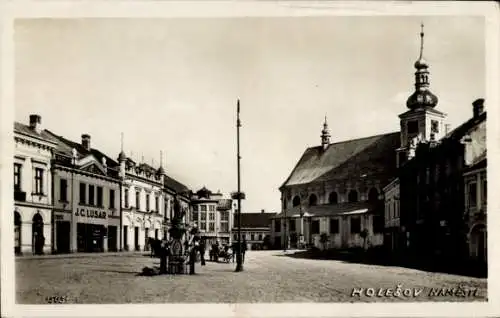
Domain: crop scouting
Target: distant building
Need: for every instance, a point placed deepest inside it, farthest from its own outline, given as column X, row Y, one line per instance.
column 212, row 213
column 255, row 229
column 33, row 200
column 392, row 236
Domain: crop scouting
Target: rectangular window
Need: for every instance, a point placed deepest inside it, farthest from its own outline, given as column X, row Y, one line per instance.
column 224, row 216
column 315, row 227
column 277, row 226
column 252, row 237
column 203, row 208
column 434, row 126
column 83, row 195
column 91, row 195
column 147, row 202
column 111, row 198
column 195, row 216
column 224, row 227
column 235, row 236
column 211, row 227
column 260, row 237
column 38, row 180
column 157, row 204
column 99, row 196
column 355, row 225
column 334, row 226
column 211, row 216
column 195, row 208
column 137, row 200
column 203, row 216
column 472, row 197
column 211, row 207
column 378, row 224
column 126, row 198
column 63, row 190
column 203, row 225
column 17, row 176
column 292, row 226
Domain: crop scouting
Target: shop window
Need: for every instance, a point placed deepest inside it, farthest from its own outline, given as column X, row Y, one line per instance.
column 334, row 226
column 355, row 225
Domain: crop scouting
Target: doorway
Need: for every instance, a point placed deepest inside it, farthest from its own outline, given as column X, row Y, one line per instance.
column 37, row 234
column 125, row 237
column 136, row 238
column 17, row 233
column 112, row 238
column 63, row 236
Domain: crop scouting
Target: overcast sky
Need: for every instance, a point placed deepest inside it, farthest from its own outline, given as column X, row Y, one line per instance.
column 172, row 85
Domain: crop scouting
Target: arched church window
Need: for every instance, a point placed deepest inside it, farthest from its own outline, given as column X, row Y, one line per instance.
column 353, row 196
column 296, row 201
column 373, row 195
column 313, row 200
column 333, row 198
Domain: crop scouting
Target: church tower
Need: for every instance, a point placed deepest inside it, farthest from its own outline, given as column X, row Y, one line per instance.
column 325, row 136
column 422, row 122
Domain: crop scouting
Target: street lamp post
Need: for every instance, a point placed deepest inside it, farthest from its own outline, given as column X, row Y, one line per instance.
column 239, row 260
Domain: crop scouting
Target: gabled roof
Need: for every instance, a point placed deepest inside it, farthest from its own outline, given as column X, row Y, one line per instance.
column 176, row 185
column 26, row 130
column 65, row 146
column 464, row 128
column 254, row 220
column 356, row 158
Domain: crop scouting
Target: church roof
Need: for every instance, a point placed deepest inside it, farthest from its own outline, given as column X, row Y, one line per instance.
column 345, row 208
column 351, row 159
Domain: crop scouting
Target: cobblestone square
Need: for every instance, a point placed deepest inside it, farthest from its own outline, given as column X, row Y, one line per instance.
column 269, row 276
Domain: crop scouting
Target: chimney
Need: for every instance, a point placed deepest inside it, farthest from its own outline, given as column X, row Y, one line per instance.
column 478, row 107
column 36, row 123
column 86, row 141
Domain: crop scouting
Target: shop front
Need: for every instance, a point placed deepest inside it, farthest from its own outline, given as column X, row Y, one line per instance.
column 91, row 229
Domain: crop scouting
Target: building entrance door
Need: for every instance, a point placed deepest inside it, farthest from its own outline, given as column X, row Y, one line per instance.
column 136, row 238
column 17, row 233
column 112, row 238
column 37, row 234
column 125, row 238
column 63, row 236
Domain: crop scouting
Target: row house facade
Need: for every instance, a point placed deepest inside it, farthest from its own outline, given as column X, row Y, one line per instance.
column 334, row 192
column 255, row 229
column 32, row 188
column 86, row 189
column 213, row 215
column 439, row 195
column 70, row 197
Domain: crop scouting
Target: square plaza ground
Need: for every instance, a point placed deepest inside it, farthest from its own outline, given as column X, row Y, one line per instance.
column 269, row 276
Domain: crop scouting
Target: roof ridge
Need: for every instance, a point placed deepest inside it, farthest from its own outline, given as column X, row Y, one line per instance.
column 356, row 139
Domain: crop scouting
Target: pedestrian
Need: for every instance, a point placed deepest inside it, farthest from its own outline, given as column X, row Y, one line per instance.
column 202, row 252
column 243, row 249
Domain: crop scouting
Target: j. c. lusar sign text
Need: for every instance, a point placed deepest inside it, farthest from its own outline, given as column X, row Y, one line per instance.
column 97, row 214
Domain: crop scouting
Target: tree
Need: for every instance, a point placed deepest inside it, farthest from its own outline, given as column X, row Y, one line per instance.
column 323, row 239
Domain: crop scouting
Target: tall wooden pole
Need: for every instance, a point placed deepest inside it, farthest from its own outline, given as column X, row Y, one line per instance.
column 239, row 260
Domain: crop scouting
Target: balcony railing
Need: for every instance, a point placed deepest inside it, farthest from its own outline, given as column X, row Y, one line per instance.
column 19, row 196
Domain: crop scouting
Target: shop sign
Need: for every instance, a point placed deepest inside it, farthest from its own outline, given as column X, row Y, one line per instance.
column 90, row 213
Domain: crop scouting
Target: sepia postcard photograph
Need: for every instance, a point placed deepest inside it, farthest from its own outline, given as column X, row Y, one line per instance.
column 249, row 159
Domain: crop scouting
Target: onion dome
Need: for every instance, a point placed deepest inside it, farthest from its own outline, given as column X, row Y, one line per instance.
column 422, row 97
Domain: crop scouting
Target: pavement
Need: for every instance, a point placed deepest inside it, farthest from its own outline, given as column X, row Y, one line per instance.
column 268, row 276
